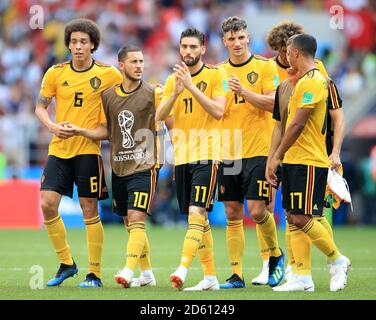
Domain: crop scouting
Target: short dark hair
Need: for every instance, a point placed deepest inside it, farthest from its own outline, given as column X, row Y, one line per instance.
column 195, row 33
column 280, row 33
column 305, row 43
column 123, row 52
column 233, row 24
column 83, row 25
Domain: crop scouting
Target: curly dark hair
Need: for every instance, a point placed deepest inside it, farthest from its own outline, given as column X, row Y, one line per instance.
column 280, row 33
column 83, row 25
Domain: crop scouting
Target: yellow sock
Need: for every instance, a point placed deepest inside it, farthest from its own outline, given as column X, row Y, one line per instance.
column 235, row 245
column 290, row 254
column 325, row 224
column 206, row 251
column 58, row 236
column 136, row 244
column 193, row 238
column 268, row 230
column 94, row 239
column 321, row 239
column 301, row 246
column 145, row 263
column 264, row 249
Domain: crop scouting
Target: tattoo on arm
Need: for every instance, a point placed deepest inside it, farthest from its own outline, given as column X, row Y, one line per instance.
column 45, row 101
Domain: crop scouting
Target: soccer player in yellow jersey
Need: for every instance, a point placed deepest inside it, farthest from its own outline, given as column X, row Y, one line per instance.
column 77, row 86
column 277, row 39
column 253, row 81
column 195, row 95
column 305, row 166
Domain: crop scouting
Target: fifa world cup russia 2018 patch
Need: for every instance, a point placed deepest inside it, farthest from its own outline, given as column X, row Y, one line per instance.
column 307, row 98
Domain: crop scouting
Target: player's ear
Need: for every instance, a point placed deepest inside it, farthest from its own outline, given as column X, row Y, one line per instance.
column 224, row 41
column 203, row 49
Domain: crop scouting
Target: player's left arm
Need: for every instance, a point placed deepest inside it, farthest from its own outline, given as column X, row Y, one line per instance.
column 338, row 119
column 98, row 133
column 293, row 132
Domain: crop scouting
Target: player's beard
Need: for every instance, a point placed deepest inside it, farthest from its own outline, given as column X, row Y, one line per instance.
column 191, row 63
column 128, row 76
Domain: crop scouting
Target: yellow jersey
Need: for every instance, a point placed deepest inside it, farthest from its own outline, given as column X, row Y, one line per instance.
column 78, row 100
column 311, row 91
column 196, row 135
column 259, row 75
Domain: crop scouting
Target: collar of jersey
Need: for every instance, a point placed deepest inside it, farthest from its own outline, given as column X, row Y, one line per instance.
column 280, row 64
column 309, row 71
column 127, row 93
column 196, row 73
column 241, row 64
column 71, row 65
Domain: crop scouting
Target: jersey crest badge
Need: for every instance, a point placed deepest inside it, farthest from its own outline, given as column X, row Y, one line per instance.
column 201, row 86
column 95, row 83
column 252, row 77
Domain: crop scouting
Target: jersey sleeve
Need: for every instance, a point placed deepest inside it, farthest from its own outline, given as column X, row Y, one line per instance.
column 221, row 83
column 309, row 93
column 321, row 68
column 334, row 100
column 103, row 118
column 116, row 76
column 270, row 80
column 48, row 86
column 168, row 89
column 158, row 94
column 276, row 113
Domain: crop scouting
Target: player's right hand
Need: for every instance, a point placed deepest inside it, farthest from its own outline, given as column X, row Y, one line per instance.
column 270, row 171
column 178, row 86
column 62, row 130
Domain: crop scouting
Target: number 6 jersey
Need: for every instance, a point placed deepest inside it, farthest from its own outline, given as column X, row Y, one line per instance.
column 78, row 100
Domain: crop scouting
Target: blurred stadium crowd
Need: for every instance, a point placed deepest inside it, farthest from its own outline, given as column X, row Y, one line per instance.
column 155, row 26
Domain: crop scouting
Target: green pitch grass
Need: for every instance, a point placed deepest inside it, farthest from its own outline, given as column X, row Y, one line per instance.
column 22, row 249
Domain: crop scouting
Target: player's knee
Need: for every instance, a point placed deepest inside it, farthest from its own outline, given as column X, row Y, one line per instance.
column 49, row 209
column 89, row 208
column 288, row 218
column 257, row 210
column 258, row 215
column 135, row 216
column 197, row 210
column 234, row 211
column 299, row 220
